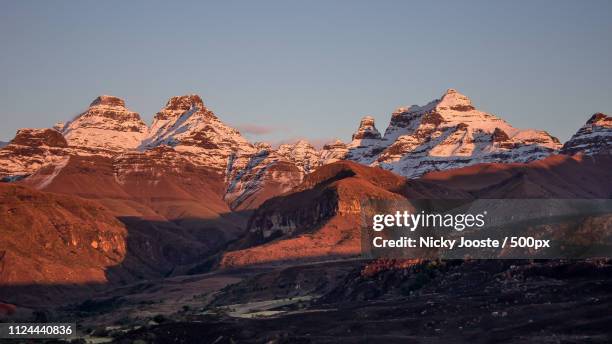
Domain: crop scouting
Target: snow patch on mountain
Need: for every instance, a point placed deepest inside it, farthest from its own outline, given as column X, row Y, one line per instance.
column 595, row 137
column 445, row 133
column 188, row 126
column 448, row 133
column 333, row 151
column 106, row 124
column 30, row 150
column 275, row 170
column 40, row 181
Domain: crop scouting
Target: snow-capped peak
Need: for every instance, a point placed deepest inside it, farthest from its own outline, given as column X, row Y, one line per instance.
column 450, row 132
column 333, row 151
column 107, row 124
column 188, row 126
column 108, row 102
column 595, row 137
column 334, row 143
column 30, row 150
column 178, row 105
column 301, row 153
column 454, row 100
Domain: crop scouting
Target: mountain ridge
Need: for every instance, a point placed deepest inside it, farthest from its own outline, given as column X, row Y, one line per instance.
column 190, row 192
column 446, row 133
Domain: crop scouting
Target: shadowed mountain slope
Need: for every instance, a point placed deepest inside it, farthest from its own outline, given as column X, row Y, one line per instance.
column 322, row 216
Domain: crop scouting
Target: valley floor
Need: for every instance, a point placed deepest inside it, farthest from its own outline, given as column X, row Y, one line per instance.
column 335, row 302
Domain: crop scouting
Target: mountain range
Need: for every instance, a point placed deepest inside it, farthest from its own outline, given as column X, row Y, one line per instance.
column 446, row 133
column 189, row 192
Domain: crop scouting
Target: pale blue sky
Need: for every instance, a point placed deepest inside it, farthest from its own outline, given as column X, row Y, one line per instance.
column 307, row 68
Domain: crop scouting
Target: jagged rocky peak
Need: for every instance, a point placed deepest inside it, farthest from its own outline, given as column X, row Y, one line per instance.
column 179, row 115
column 367, row 130
column 453, row 100
column 185, row 102
column 304, row 155
column 178, row 105
column 403, row 120
column 192, row 129
column 600, row 118
column 299, row 144
column 337, row 143
column 108, row 101
column 107, row 124
column 59, row 126
column 595, row 137
column 452, row 107
column 364, row 142
column 30, row 150
column 298, row 148
column 450, row 132
column 39, row 137
column 333, row 151
column 499, row 135
column 262, row 146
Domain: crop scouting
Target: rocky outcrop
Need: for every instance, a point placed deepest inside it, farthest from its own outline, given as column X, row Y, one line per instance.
column 30, row 150
column 595, row 137
column 365, row 142
column 39, row 137
column 367, row 130
column 333, row 151
column 302, row 154
column 107, row 125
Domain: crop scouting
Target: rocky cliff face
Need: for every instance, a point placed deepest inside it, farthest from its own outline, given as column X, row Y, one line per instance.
column 366, row 142
column 173, row 210
column 333, row 151
column 56, row 239
column 30, row 150
column 107, row 124
column 595, row 137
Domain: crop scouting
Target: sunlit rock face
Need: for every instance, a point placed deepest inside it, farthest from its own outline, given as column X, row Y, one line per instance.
column 30, row 150
column 107, row 124
column 188, row 126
